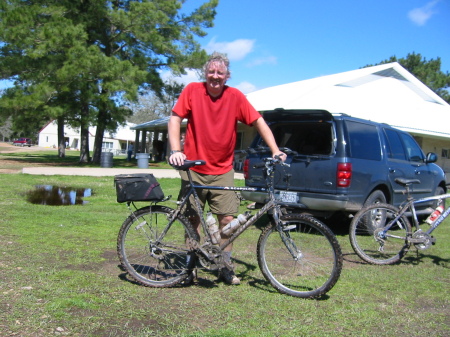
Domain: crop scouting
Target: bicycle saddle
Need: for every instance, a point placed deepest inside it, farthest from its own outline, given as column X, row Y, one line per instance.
column 188, row 164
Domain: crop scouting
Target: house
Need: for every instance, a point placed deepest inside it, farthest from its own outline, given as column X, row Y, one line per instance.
column 117, row 142
column 385, row 93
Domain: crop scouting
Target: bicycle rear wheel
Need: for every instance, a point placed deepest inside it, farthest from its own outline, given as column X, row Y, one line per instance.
column 153, row 252
column 371, row 242
column 310, row 262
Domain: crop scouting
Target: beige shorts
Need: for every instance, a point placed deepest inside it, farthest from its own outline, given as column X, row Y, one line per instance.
column 220, row 202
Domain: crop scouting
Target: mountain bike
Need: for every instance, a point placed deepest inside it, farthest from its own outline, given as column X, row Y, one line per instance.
column 382, row 234
column 296, row 253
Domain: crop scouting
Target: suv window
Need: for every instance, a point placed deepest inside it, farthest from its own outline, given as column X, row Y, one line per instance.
column 412, row 149
column 395, row 147
column 306, row 138
column 364, row 141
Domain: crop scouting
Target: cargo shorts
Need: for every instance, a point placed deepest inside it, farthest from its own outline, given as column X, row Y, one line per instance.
column 220, row 202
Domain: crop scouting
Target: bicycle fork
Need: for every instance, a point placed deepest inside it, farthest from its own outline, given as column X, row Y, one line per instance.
column 284, row 235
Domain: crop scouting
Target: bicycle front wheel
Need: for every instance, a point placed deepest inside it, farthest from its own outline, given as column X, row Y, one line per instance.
column 374, row 236
column 303, row 259
column 154, row 251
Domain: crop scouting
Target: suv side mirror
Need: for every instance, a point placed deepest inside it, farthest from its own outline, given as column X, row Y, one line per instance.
column 431, row 157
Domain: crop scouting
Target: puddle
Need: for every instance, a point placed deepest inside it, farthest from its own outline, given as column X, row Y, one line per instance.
column 58, row 196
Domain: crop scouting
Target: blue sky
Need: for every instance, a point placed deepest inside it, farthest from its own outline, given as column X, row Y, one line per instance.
column 276, row 42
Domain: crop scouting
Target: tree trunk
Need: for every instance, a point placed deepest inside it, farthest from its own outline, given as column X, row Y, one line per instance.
column 61, row 141
column 84, row 135
column 98, row 142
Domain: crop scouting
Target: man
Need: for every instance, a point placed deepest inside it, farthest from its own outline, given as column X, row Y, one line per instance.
column 213, row 110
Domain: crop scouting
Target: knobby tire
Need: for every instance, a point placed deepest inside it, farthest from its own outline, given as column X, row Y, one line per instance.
column 318, row 262
column 371, row 245
column 149, row 258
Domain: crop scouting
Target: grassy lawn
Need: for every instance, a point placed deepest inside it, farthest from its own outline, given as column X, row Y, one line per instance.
column 59, row 275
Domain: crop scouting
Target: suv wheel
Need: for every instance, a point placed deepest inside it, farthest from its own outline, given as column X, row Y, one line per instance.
column 439, row 191
column 375, row 197
column 371, row 220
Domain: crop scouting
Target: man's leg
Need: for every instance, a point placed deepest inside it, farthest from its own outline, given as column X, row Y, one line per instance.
column 227, row 274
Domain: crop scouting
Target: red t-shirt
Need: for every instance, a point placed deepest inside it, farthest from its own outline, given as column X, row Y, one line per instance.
column 212, row 125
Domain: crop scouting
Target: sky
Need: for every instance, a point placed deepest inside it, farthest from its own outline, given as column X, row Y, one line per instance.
column 271, row 42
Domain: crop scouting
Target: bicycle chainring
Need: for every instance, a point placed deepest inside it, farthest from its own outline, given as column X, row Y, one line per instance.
column 213, row 260
column 426, row 240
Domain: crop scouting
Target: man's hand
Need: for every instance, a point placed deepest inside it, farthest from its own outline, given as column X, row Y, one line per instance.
column 280, row 155
column 177, row 158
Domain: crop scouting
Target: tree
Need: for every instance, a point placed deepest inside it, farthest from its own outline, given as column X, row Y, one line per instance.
column 79, row 61
column 427, row 71
column 150, row 105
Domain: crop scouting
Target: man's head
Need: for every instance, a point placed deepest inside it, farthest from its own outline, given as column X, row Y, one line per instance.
column 217, row 73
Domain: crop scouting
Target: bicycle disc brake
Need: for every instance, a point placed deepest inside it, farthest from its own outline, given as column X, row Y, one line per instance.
column 422, row 240
column 210, row 257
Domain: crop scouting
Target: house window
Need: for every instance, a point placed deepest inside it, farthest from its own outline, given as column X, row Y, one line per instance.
column 107, row 145
column 444, row 153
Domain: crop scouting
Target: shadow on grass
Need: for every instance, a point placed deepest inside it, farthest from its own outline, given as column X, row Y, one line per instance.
column 419, row 258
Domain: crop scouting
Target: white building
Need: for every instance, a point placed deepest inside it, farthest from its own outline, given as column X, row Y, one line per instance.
column 116, row 143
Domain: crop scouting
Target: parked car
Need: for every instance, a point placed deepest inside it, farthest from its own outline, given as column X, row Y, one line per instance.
column 341, row 163
column 23, row 142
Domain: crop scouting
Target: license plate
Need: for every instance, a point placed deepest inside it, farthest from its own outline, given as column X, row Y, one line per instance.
column 286, row 196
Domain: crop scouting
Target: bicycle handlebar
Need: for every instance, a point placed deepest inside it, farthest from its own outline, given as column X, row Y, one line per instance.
column 188, row 164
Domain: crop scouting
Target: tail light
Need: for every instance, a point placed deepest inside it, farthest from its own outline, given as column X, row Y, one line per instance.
column 344, row 174
column 245, row 168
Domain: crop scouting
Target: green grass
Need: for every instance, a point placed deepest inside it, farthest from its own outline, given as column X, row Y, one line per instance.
column 59, row 275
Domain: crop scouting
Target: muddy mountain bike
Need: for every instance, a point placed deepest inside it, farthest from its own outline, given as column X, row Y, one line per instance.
column 296, row 253
column 382, row 234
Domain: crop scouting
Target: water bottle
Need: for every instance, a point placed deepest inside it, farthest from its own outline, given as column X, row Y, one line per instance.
column 234, row 224
column 433, row 216
column 213, row 229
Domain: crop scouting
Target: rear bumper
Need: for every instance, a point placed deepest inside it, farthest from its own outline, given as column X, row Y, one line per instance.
column 318, row 202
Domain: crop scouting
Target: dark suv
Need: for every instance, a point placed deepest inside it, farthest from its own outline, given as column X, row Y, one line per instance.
column 340, row 163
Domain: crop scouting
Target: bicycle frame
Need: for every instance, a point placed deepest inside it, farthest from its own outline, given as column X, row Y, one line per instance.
column 270, row 205
column 410, row 205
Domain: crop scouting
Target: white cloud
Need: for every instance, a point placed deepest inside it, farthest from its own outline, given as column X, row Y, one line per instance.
column 263, row 60
column 191, row 76
column 236, row 50
column 246, row 87
column 421, row 15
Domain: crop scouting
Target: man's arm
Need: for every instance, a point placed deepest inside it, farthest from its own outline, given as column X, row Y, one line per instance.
column 267, row 135
column 173, row 128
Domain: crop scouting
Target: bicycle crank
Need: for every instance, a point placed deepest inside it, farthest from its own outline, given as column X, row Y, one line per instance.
column 210, row 257
column 422, row 240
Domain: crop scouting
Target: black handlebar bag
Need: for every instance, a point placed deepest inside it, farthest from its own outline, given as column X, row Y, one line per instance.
column 137, row 187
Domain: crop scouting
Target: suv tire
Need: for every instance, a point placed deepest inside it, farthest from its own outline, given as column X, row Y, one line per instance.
column 375, row 197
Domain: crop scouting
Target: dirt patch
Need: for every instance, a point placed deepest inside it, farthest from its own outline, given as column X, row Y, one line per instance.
column 9, row 148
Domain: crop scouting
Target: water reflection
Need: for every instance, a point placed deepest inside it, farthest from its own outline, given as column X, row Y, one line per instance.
column 58, row 196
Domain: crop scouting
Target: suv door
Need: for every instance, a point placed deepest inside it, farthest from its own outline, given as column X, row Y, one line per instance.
column 422, row 171
column 406, row 160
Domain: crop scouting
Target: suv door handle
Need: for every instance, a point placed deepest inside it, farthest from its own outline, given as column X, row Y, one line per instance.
column 391, row 170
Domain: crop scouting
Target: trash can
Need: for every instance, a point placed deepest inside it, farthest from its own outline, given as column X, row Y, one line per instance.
column 142, row 159
column 106, row 159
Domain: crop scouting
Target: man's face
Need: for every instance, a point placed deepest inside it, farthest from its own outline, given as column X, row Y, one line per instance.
column 216, row 77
